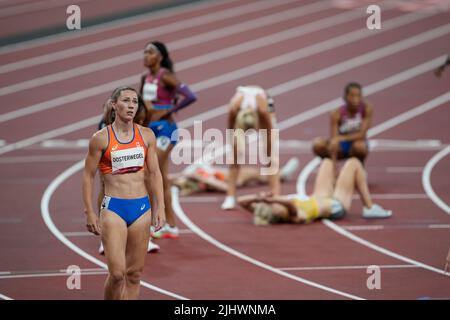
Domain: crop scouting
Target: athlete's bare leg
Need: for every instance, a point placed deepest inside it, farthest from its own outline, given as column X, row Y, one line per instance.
column 114, row 238
column 352, row 176
column 136, row 250
column 163, row 158
column 324, row 183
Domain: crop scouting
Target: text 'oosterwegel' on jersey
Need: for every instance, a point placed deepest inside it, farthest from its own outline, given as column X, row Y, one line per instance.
column 123, row 157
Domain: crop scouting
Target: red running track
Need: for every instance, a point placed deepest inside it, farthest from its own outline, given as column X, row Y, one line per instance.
column 221, row 255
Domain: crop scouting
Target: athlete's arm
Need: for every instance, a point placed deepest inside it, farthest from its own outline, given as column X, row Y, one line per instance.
column 334, row 123
column 282, row 200
column 169, row 80
column 365, row 125
column 90, row 168
column 154, row 179
column 189, row 97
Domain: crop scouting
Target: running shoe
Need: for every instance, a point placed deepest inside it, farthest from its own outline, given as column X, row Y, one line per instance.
column 376, row 212
column 101, row 250
column 229, row 203
column 288, row 169
column 166, row 232
column 152, row 247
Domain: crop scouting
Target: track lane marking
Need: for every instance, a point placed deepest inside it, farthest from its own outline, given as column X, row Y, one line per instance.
column 426, row 180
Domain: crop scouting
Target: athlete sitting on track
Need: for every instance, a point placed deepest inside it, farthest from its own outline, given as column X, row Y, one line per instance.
column 349, row 125
column 125, row 154
column 330, row 199
column 250, row 108
column 204, row 177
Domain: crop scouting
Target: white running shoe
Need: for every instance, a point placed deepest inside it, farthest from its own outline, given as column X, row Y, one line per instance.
column 229, row 203
column 288, row 169
column 101, row 250
column 166, row 232
column 152, row 247
column 376, row 212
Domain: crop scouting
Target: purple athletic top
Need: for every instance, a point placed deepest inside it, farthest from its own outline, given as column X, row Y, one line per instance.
column 351, row 123
column 162, row 95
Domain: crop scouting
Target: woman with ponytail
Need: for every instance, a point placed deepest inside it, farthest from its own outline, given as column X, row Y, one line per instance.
column 160, row 90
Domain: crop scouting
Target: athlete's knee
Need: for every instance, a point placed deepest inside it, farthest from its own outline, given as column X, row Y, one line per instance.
column 353, row 162
column 320, row 147
column 134, row 276
column 333, row 146
column 117, row 276
column 359, row 149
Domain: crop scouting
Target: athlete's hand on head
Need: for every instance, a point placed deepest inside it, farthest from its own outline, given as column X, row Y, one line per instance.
column 159, row 219
column 92, row 224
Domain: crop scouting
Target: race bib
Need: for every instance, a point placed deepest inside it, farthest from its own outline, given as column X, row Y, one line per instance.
column 149, row 92
column 127, row 160
column 162, row 143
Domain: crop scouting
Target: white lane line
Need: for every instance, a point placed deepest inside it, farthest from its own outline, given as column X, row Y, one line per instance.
column 396, row 196
column 183, row 65
column 275, row 91
column 227, row 52
column 35, row 6
column 143, row 35
column 4, row 297
column 404, row 169
column 112, row 25
column 88, row 234
column 426, row 180
column 45, row 201
column 395, row 226
column 386, row 266
column 382, row 250
column 403, row 117
column 46, row 158
column 439, row 226
column 51, row 273
column 202, row 234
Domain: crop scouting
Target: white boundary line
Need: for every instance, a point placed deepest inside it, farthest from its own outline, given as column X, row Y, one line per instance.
column 403, row 117
column 55, row 231
column 202, row 234
column 386, row 266
column 2, row 296
column 426, row 179
column 143, row 35
column 111, row 25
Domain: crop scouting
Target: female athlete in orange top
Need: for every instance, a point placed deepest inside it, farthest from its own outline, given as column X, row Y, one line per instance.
column 125, row 154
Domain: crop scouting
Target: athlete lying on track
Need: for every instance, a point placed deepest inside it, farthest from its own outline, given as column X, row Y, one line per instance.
column 330, row 199
column 204, row 177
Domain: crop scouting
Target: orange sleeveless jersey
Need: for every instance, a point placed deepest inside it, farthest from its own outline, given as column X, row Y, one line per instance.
column 123, row 157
